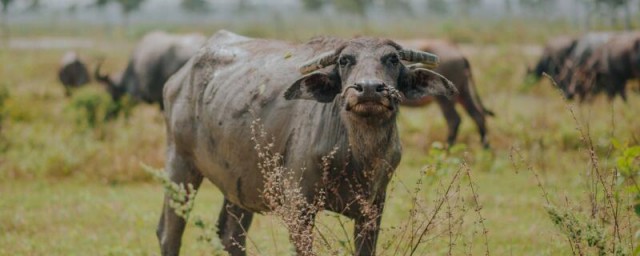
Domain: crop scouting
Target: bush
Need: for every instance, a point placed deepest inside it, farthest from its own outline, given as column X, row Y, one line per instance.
column 94, row 108
column 4, row 95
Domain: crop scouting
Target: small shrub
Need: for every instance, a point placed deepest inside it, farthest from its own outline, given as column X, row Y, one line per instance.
column 4, row 95
column 94, row 108
column 442, row 160
column 600, row 223
column 182, row 199
column 628, row 166
column 91, row 108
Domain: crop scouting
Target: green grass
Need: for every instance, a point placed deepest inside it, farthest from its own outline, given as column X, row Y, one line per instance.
column 72, row 217
column 67, row 189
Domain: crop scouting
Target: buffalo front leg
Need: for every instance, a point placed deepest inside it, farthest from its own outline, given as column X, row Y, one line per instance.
column 367, row 228
column 171, row 226
column 233, row 225
column 478, row 115
column 301, row 232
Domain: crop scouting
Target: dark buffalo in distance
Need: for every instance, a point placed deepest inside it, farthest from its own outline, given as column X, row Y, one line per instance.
column 585, row 46
column 345, row 105
column 554, row 54
column 156, row 57
column 72, row 72
column 609, row 68
column 455, row 67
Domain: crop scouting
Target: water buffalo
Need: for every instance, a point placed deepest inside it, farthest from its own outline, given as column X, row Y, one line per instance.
column 156, row 57
column 345, row 105
column 72, row 72
column 455, row 67
column 609, row 67
column 585, row 46
column 556, row 51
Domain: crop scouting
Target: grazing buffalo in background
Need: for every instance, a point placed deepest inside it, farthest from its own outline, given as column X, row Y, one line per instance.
column 156, row 57
column 455, row 67
column 555, row 52
column 345, row 106
column 609, row 67
column 585, row 46
column 72, row 72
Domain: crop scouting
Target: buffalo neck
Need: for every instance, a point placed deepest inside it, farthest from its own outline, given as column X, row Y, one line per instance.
column 373, row 149
column 371, row 142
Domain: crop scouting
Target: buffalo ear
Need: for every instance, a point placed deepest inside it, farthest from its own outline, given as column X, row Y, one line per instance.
column 319, row 86
column 418, row 83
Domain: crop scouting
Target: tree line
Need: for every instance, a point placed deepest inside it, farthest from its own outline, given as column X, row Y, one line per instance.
column 607, row 9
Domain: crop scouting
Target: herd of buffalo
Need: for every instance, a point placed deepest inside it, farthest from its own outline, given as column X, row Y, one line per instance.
column 327, row 96
column 593, row 63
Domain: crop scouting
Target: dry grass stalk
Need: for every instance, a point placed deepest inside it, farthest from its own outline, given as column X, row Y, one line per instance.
column 599, row 228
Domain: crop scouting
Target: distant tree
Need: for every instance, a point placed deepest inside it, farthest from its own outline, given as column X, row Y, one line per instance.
column 612, row 7
column 195, row 6
column 73, row 8
column 101, row 3
column 126, row 8
column 5, row 19
column 34, row 5
column 244, row 6
column 129, row 6
column 313, row 5
column 507, row 7
column 467, row 5
column 616, row 3
column 403, row 6
column 538, row 6
column 607, row 9
column 5, row 5
column 358, row 7
column 438, row 6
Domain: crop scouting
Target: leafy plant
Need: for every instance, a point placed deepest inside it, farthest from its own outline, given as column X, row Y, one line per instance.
column 94, row 108
column 4, row 95
column 443, row 160
column 628, row 166
column 181, row 199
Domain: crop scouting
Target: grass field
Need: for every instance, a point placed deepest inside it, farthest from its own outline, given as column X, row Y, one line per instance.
column 71, row 188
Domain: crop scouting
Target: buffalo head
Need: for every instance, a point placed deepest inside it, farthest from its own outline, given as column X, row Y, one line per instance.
column 370, row 78
column 115, row 90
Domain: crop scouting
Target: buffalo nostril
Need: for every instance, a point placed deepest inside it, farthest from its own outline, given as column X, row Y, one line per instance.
column 358, row 88
column 381, row 88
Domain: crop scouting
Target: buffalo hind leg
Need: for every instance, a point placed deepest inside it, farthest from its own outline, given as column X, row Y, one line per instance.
column 478, row 116
column 171, row 226
column 233, row 225
column 451, row 115
column 621, row 88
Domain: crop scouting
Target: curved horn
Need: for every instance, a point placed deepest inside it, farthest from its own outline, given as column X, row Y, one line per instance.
column 428, row 59
column 98, row 76
column 323, row 60
column 113, row 89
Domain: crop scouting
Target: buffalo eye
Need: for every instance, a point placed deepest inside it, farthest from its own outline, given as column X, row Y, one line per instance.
column 393, row 59
column 345, row 60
